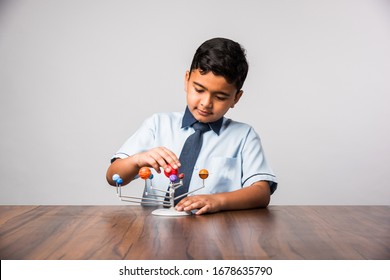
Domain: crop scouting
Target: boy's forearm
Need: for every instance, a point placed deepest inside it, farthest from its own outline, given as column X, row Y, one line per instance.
column 126, row 168
column 255, row 196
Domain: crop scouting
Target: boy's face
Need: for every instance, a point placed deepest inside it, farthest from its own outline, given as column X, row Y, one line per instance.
column 209, row 97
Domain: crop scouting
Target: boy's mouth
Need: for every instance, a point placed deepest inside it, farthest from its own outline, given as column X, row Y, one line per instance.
column 204, row 113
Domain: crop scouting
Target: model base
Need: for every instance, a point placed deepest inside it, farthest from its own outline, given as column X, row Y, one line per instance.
column 170, row 212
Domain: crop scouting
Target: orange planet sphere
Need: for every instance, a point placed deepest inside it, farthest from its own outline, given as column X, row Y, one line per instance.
column 144, row 173
column 203, row 174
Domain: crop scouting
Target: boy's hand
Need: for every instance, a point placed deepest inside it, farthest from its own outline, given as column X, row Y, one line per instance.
column 209, row 203
column 156, row 158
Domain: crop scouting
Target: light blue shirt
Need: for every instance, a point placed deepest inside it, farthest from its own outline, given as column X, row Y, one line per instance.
column 234, row 157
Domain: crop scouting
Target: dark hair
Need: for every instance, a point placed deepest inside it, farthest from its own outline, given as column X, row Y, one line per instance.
column 223, row 57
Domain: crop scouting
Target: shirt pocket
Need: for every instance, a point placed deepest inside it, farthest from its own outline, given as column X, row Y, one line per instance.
column 224, row 174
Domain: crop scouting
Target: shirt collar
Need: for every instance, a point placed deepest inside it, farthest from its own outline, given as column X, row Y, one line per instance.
column 189, row 120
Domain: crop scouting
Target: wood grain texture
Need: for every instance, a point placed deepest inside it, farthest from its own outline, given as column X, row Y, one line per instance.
column 132, row 232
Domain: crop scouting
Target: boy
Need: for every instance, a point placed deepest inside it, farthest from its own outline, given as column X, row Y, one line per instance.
column 240, row 177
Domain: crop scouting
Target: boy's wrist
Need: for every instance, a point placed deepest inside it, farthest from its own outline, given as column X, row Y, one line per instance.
column 136, row 161
column 221, row 201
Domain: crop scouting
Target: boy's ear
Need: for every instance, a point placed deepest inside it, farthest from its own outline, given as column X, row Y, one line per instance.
column 186, row 79
column 237, row 98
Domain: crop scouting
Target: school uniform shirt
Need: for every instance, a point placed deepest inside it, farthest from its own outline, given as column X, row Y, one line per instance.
column 231, row 152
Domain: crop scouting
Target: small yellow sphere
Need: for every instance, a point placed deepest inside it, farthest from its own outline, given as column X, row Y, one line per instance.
column 203, row 174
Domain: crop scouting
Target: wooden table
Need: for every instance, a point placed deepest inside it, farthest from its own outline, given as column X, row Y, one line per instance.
column 132, row 232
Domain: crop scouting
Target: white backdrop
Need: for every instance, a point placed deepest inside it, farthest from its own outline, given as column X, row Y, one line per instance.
column 78, row 77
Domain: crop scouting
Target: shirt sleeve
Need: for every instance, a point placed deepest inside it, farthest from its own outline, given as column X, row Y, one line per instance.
column 254, row 164
column 142, row 140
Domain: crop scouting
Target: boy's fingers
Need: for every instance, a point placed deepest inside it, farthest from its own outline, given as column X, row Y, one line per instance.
column 157, row 161
column 203, row 210
column 180, row 206
column 158, row 158
column 194, row 205
column 199, row 205
column 169, row 158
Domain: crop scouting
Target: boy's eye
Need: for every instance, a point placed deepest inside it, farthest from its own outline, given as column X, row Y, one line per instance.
column 221, row 97
column 199, row 89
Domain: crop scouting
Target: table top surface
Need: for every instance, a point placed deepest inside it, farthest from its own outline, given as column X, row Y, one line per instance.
column 132, row 232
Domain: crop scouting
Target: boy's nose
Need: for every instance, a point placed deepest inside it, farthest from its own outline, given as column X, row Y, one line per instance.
column 206, row 101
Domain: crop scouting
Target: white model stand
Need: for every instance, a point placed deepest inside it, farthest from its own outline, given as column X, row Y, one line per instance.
column 167, row 197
